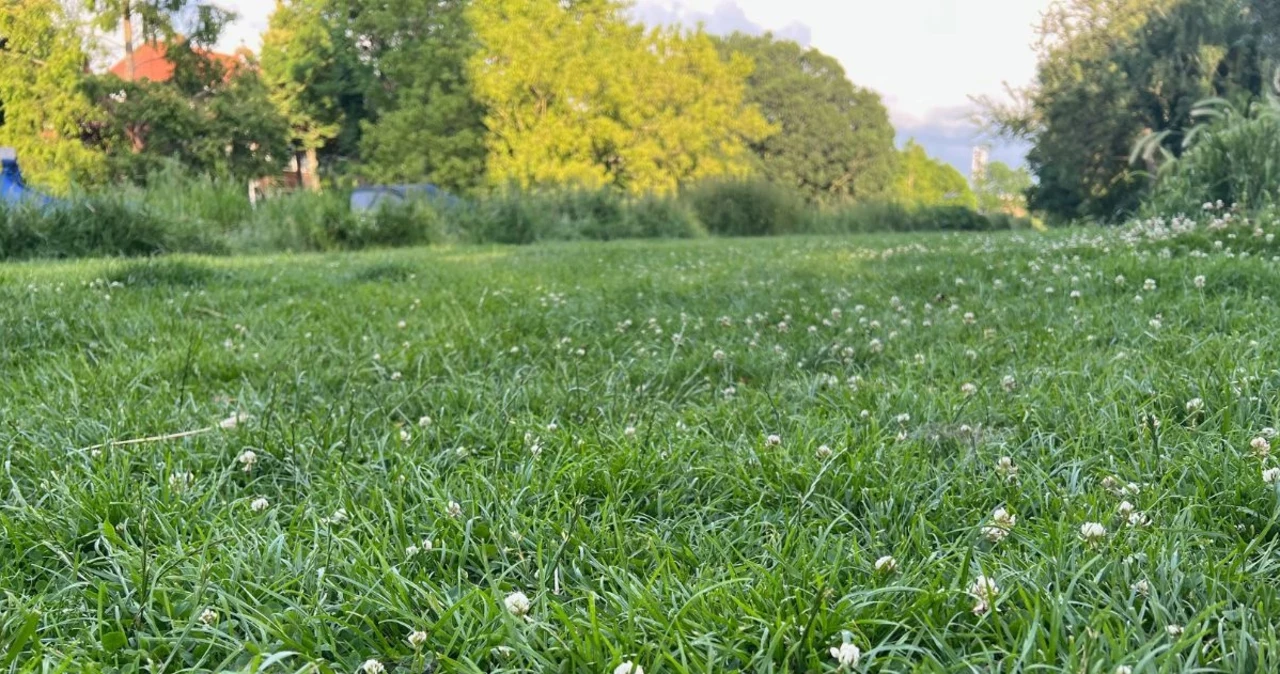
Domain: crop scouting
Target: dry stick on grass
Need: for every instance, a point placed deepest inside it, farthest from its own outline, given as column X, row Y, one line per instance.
column 224, row 425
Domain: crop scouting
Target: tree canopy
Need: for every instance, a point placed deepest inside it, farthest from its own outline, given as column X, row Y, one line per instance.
column 834, row 139
column 924, row 181
column 1114, row 71
column 574, row 92
column 46, row 110
column 1002, row 189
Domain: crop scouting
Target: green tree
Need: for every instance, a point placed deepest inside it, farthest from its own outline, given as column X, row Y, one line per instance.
column 424, row 122
column 206, row 119
column 1003, row 189
column 925, row 181
column 45, row 108
column 834, row 139
column 1112, row 72
column 311, row 67
column 577, row 93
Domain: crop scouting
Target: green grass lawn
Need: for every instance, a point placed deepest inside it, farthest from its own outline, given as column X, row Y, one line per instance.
column 707, row 456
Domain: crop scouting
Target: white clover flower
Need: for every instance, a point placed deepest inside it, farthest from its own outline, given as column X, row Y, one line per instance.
column 1142, row 587
column 1138, row 519
column 886, row 565
column 405, row 435
column 402, row 325
column 1002, row 522
column 1009, row 383
column 970, row 318
column 234, row 421
column 823, row 452
column 1093, row 533
column 1124, row 669
column 372, row 666
column 1076, row 294
column 969, row 390
column 876, row 346
column 1007, row 468
column 1198, row 281
column 247, row 459
column 339, row 516
column 411, row 551
column 1271, row 476
column 984, row 591
column 209, row 616
column 903, row 419
column 454, row 509
column 1155, row 323
column 1260, row 446
column 1194, row 405
column 1149, row 285
column 1120, row 280
column 518, row 604
column 718, row 355
column 846, row 655
column 773, row 440
column 1173, row 630
column 178, row 482
column 427, row 545
column 628, row 667
column 1126, row 508
column 417, row 638
column 259, row 504
column 424, row 421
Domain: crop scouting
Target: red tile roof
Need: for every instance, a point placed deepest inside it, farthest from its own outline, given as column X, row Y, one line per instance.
column 150, row 63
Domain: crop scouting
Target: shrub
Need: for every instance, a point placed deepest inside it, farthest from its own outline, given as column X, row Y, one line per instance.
column 1235, row 159
column 895, row 217
column 746, row 208
column 513, row 216
column 93, row 225
column 657, row 217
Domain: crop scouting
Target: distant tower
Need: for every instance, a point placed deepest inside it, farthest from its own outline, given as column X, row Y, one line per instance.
column 981, row 157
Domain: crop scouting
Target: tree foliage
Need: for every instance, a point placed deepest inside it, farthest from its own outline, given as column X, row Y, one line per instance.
column 45, row 108
column 208, row 120
column 925, row 181
column 1003, row 189
column 423, row 123
column 834, row 140
column 311, row 67
column 1114, row 71
column 575, row 92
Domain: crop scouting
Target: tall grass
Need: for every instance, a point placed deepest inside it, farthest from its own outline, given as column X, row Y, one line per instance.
column 177, row 213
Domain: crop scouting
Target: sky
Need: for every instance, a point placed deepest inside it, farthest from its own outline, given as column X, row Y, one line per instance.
column 926, row 58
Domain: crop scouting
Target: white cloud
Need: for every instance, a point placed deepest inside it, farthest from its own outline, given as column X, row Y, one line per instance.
column 723, row 19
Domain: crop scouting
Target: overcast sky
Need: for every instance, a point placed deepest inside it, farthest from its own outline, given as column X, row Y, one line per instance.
column 925, row 57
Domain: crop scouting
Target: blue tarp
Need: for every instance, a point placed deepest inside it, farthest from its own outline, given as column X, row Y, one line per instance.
column 374, row 197
column 14, row 191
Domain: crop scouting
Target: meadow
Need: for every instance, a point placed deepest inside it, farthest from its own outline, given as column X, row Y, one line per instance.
column 887, row 453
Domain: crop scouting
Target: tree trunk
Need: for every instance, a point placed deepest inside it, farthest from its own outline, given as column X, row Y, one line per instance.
column 311, row 174
column 126, row 21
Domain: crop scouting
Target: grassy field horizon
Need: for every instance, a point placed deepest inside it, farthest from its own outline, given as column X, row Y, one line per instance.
column 890, row 453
